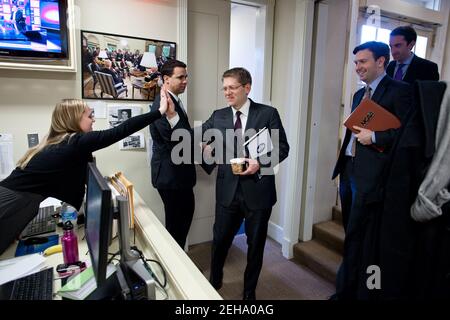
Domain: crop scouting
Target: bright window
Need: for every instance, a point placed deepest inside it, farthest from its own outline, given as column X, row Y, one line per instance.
column 371, row 33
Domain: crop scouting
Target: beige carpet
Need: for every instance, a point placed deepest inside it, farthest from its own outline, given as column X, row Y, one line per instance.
column 280, row 279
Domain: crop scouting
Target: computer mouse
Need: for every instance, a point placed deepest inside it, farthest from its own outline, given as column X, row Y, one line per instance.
column 35, row 240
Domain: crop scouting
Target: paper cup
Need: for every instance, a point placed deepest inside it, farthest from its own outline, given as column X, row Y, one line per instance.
column 237, row 165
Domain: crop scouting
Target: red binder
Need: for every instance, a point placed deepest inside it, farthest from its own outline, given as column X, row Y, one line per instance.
column 370, row 115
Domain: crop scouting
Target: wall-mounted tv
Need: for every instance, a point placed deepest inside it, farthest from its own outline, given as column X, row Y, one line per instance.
column 33, row 29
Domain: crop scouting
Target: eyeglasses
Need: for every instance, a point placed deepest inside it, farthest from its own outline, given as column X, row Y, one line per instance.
column 231, row 88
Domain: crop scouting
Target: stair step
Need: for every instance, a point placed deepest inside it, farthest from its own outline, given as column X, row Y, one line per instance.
column 337, row 213
column 317, row 257
column 331, row 234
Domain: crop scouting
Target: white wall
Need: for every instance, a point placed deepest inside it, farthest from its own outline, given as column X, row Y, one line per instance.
column 282, row 53
column 326, row 92
column 28, row 97
column 243, row 43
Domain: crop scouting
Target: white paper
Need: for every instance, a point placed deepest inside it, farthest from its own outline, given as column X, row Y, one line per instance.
column 135, row 141
column 19, row 267
column 117, row 113
column 6, row 155
column 99, row 108
column 50, row 202
column 260, row 144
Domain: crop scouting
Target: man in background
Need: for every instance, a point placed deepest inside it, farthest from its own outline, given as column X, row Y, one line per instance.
column 363, row 157
column 110, row 70
column 18, row 18
column 174, row 182
column 407, row 66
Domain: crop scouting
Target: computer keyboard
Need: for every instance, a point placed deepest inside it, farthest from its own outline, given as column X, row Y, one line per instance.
column 36, row 286
column 42, row 223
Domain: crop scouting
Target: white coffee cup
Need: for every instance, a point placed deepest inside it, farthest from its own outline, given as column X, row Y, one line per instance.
column 237, row 165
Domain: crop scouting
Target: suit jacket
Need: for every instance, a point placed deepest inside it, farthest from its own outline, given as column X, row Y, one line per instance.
column 259, row 191
column 116, row 78
column 419, row 69
column 413, row 256
column 166, row 174
column 394, row 96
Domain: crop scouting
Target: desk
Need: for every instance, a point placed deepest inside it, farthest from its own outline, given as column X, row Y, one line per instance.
column 184, row 280
column 141, row 85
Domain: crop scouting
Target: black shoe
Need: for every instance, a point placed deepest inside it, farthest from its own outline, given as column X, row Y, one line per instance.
column 249, row 296
column 216, row 285
column 334, row 297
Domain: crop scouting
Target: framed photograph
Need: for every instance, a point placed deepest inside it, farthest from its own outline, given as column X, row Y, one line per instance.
column 118, row 67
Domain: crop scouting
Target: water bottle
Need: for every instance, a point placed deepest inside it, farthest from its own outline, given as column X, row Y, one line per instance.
column 68, row 213
column 69, row 243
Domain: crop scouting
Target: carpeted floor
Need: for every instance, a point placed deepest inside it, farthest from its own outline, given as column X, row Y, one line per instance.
column 280, row 279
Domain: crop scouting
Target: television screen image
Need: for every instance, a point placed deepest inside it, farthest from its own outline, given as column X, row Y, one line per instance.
column 33, row 28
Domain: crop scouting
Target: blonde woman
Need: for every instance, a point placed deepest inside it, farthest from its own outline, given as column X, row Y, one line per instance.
column 57, row 166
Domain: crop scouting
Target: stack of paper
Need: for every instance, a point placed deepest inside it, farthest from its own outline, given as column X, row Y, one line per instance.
column 15, row 268
column 125, row 188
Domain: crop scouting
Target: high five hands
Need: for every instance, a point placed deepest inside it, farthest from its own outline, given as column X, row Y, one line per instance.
column 166, row 105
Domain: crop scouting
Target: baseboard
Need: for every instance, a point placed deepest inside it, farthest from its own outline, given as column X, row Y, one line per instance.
column 275, row 232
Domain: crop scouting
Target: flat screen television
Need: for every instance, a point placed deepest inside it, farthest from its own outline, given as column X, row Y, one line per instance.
column 33, row 29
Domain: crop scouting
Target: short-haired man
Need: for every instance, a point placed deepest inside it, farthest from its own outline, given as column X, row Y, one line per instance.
column 174, row 182
column 360, row 164
column 406, row 65
column 248, row 196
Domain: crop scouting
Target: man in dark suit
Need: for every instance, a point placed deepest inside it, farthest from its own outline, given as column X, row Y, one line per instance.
column 406, row 65
column 110, row 70
column 251, row 194
column 175, row 182
column 364, row 155
column 18, row 18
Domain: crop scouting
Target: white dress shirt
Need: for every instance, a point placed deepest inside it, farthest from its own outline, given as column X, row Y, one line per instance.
column 173, row 121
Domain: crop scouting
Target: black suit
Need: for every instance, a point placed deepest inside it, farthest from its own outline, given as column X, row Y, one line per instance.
column 174, row 182
column 239, row 197
column 419, row 69
column 363, row 173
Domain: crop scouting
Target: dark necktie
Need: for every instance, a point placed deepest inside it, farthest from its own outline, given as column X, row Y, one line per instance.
column 238, row 126
column 238, row 123
column 399, row 74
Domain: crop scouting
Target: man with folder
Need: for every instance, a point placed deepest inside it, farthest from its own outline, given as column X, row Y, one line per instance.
column 363, row 156
column 251, row 194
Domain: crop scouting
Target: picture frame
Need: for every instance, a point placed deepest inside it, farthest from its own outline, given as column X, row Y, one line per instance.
column 119, row 67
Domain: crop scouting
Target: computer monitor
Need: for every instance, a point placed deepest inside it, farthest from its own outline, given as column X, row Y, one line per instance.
column 99, row 217
column 131, row 280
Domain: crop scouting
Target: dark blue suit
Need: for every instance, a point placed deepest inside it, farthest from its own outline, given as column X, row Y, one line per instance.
column 360, row 177
column 419, row 69
column 174, row 182
column 239, row 197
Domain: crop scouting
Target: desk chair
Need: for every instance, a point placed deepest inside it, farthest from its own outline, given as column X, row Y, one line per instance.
column 107, row 84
